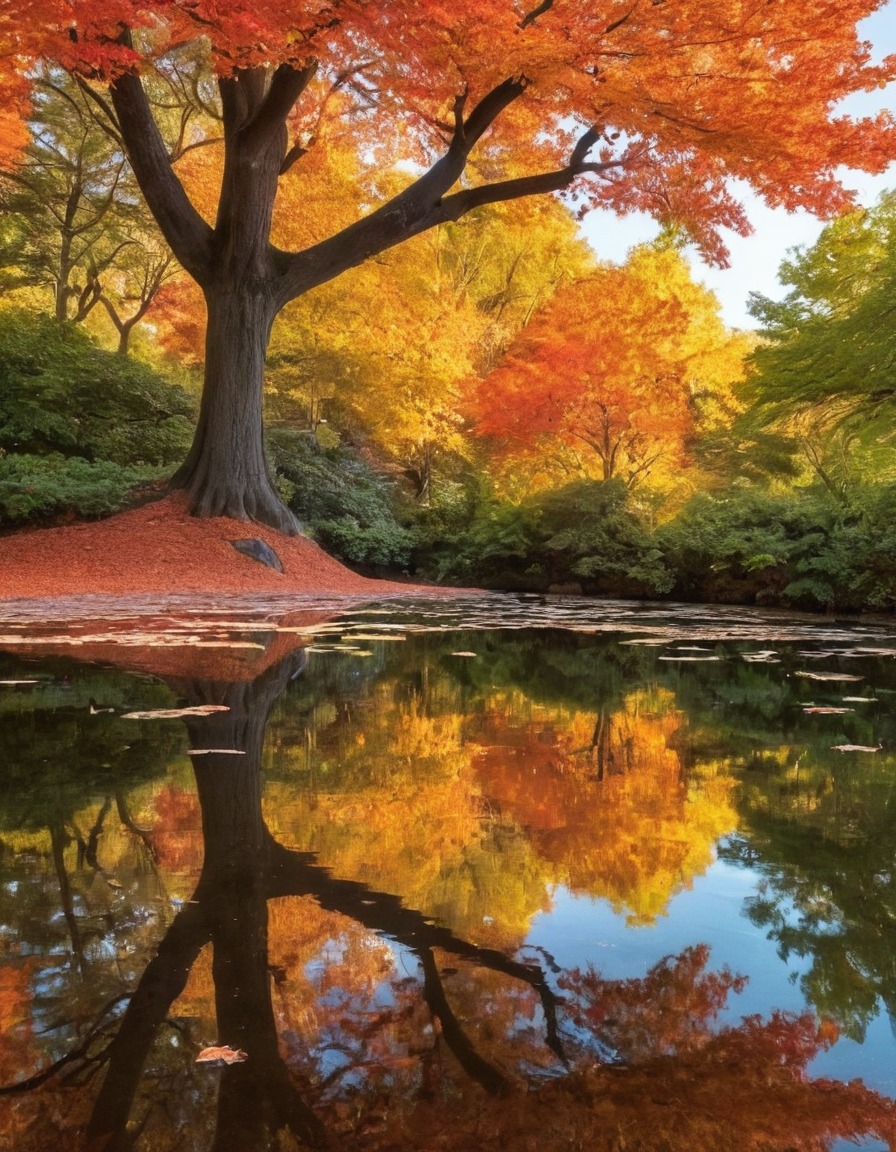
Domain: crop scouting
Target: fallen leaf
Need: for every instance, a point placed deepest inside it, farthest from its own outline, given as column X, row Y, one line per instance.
column 215, row 752
column 174, row 713
column 827, row 711
column 463, row 653
column 222, row 1055
column 860, row 699
column 854, row 748
column 832, row 676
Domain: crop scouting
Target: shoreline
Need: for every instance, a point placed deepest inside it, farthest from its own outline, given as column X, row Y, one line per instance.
column 159, row 550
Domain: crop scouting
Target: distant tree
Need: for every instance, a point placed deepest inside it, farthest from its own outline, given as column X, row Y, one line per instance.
column 77, row 226
column 828, row 349
column 609, row 371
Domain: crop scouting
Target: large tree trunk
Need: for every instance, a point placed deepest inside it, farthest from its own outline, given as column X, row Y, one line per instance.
column 226, row 472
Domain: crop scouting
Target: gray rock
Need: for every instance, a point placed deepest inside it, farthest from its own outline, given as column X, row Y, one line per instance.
column 258, row 550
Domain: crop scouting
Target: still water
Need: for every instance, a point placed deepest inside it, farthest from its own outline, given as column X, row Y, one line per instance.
column 482, row 872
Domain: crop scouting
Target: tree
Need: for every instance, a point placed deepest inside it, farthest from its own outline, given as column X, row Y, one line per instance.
column 650, row 108
column 444, row 306
column 78, row 227
column 610, row 369
column 823, row 370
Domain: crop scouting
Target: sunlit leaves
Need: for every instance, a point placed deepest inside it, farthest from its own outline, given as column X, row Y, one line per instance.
column 681, row 98
column 825, row 362
column 607, row 375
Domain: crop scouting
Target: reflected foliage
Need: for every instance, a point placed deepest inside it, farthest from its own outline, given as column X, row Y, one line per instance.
column 343, row 878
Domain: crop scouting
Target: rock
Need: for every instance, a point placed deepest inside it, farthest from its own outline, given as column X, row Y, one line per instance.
column 258, row 550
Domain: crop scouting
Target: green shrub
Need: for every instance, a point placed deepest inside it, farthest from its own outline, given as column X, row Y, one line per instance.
column 60, row 393
column 584, row 533
column 801, row 549
column 592, row 535
column 44, row 487
column 340, row 500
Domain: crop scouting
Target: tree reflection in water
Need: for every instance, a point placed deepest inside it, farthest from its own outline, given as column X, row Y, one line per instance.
column 468, row 1046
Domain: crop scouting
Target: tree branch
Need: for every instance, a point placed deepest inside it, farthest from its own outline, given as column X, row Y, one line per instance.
column 108, row 122
column 531, row 17
column 187, row 233
column 468, row 132
column 287, row 86
column 414, row 210
column 297, row 873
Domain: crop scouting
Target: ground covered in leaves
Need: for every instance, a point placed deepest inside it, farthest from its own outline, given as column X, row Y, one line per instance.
column 160, row 548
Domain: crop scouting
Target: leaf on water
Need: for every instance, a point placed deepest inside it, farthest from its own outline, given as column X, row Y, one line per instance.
column 860, row 699
column 834, row 677
column 826, row 710
column 226, row 644
column 372, row 636
column 855, row 748
column 690, row 659
column 222, row 1055
column 174, row 713
column 215, row 752
column 463, row 653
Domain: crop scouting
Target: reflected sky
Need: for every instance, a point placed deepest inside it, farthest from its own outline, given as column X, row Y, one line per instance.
column 445, row 850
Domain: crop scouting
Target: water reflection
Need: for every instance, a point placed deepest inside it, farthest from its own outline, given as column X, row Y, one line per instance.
column 343, row 878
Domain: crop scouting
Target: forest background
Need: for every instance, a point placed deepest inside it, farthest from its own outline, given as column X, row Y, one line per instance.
column 490, row 403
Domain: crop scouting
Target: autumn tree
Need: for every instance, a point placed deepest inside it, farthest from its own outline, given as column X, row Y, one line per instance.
column 646, row 107
column 444, row 306
column 381, row 354
column 607, row 374
column 78, row 230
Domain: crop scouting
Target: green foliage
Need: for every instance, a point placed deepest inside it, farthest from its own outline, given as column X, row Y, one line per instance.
column 60, row 393
column 830, row 344
column 495, row 548
column 79, row 427
column 348, row 508
column 594, row 535
column 802, row 549
column 42, row 487
column 584, row 533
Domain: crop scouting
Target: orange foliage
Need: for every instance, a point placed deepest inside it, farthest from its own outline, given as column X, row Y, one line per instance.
column 605, row 798
column 669, row 1010
column 681, row 97
column 16, row 1030
column 611, row 365
column 177, row 831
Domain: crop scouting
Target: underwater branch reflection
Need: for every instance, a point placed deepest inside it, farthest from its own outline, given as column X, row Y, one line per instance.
column 371, row 1023
column 243, row 868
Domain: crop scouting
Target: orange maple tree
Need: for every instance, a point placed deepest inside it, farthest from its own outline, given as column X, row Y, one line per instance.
column 609, row 369
column 632, row 106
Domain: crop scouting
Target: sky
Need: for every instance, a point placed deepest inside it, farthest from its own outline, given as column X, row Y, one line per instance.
column 755, row 259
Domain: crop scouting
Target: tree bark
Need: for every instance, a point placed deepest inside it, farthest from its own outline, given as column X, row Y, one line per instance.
column 226, row 472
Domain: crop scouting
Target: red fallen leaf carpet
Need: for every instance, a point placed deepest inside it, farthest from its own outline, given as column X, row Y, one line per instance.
column 160, row 548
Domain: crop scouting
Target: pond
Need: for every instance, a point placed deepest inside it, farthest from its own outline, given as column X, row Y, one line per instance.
column 516, row 872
